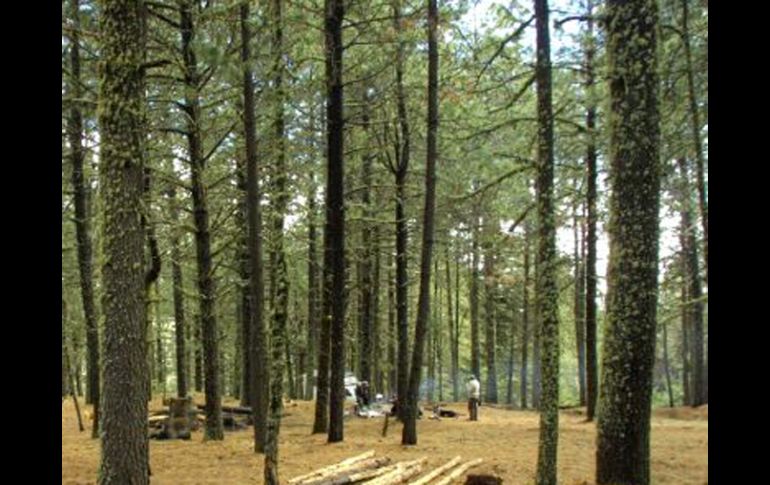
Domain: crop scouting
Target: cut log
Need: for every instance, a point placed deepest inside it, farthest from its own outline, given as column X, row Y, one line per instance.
column 230, row 409
column 361, row 471
column 438, row 471
column 402, row 472
column 331, row 469
column 458, row 472
column 484, row 480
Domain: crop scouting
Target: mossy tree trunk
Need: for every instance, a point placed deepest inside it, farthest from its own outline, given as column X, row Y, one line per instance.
column 546, row 290
column 124, row 450
column 623, row 428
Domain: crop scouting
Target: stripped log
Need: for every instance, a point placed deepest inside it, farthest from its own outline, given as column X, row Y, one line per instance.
column 365, row 470
column 331, row 469
column 402, row 472
column 438, row 471
column 458, row 472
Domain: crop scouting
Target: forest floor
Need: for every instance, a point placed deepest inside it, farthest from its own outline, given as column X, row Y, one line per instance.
column 505, row 439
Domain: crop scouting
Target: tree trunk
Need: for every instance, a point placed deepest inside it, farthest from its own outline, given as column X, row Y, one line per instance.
column 623, row 428
column 686, row 349
column 312, row 291
column 697, row 143
column 206, row 289
column 400, row 172
column 490, row 340
column 335, row 212
column 694, row 291
column 546, row 289
column 474, row 299
column 124, row 446
column 82, row 223
column 257, row 371
column 579, row 301
column 525, row 320
column 409, row 436
column 198, row 345
column 366, row 318
column 279, row 341
column 667, row 366
column 393, row 331
column 243, row 263
column 451, row 321
column 511, row 337
column 176, row 276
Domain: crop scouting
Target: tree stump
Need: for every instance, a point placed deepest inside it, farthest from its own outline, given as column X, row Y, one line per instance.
column 178, row 424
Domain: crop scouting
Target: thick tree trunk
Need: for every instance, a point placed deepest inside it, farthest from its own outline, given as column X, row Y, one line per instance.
column 623, row 428
column 82, row 223
column 124, row 447
column 546, row 289
column 335, row 212
column 409, row 435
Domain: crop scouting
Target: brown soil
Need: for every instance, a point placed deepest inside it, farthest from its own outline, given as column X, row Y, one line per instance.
column 505, row 439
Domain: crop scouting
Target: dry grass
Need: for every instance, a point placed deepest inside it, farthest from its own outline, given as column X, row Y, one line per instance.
column 506, row 440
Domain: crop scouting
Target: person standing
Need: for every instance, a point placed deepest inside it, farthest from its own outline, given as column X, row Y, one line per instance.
column 474, row 397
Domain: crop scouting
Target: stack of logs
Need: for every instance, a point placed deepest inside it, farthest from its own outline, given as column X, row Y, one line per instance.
column 365, row 468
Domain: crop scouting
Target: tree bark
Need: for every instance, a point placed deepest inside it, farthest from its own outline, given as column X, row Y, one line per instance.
column 335, row 212
column 623, row 428
column 124, row 447
column 546, row 289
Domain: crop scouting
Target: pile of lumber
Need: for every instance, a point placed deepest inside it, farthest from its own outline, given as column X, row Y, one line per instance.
column 368, row 469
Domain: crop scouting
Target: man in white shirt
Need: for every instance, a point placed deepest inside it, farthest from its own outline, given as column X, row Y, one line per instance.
column 474, row 397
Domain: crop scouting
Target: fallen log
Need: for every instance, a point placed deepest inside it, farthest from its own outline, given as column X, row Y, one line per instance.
column 331, row 469
column 361, row 471
column 438, row 471
column 229, row 409
column 401, row 472
column 458, row 472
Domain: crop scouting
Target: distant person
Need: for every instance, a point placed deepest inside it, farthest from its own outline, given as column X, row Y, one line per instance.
column 362, row 396
column 474, row 397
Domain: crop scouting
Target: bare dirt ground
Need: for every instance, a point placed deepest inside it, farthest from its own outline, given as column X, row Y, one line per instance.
column 505, row 439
